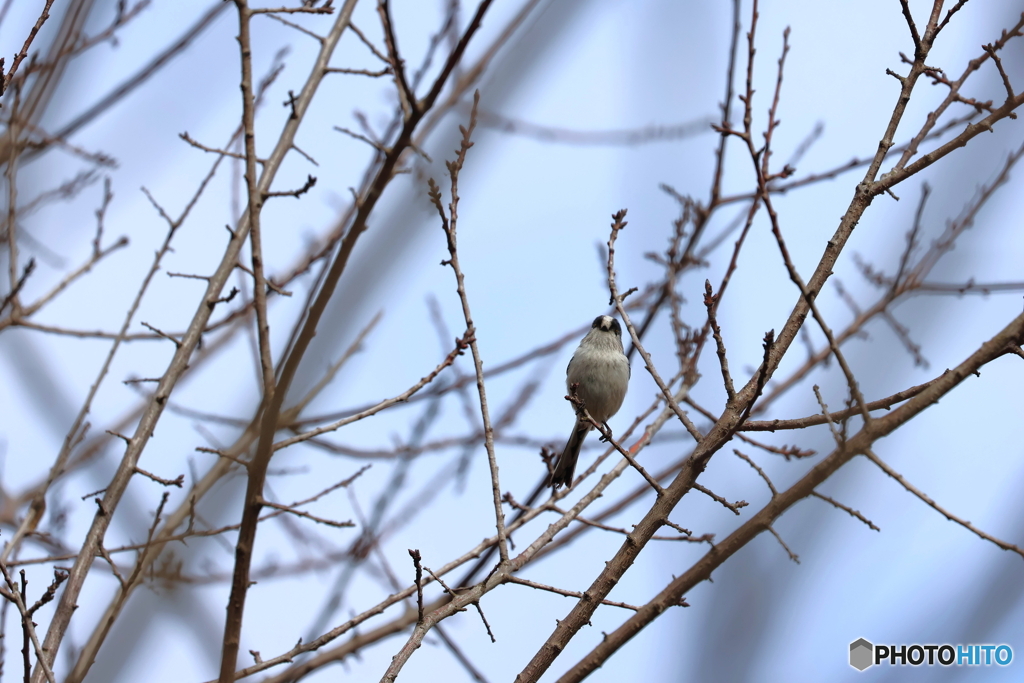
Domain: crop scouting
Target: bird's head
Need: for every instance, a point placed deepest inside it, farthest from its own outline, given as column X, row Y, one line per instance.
column 606, row 323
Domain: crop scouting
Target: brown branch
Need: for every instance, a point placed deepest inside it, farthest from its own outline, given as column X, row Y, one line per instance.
column 126, row 469
column 480, row 611
column 459, row 384
column 567, row 593
column 618, row 223
column 785, row 547
column 406, row 96
column 853, row 513
column 12, row 208
column 306, row 187
column 326, row 9
column 460, row 347
column 686, row 534
column 299, row 513
column 213, row 150
column 720, row 433
column 904, row 170
column 465, row 598
column 733, row 507
column 811, row 420
column 359, row 136
column 301, row 29
column 97, row 255
column 606, row 435
column 882, row 465
column 949, row 15
column 710, row 302
column 619, row 137
column 760, row 522
column 449, row 224
column 253, row 214
column 856, row 162
column 18, row 284
column 753, row 464
column 759, row 159
column 163, row 482
column 905, row 6
column 151, row 412
column 269, row 419
column 59, row 577
column 161, row 333
column 969, row 287
column 113, row 567
column 415, row 555
column 17, row 597
column 366, row 41
column 361, row 72
column 5, row 79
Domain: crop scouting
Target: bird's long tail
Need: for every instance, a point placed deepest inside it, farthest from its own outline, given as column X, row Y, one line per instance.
column 566, row 463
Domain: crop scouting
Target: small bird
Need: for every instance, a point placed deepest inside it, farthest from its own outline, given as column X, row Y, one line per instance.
column 600, row 370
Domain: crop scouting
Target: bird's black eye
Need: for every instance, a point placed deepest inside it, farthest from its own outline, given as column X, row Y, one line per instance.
column 597, row 321
column 616, row 328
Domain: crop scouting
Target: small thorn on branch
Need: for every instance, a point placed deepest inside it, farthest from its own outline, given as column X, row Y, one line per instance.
column 120, row 436
column 415, row 555
column 290, row 102
column 901, row 79
column 160, row 480
column 223, row 300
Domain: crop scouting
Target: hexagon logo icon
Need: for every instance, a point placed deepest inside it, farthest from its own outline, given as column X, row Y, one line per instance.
column 861, row 652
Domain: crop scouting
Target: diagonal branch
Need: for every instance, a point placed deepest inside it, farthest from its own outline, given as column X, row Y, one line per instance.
column 882, row 465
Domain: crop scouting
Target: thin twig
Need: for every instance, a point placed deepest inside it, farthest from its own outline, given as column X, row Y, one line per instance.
column 853, row 513
column 882, row 465
column 27, row 624
column 753, row 464
column 567, row 593
column 785, row 547
column 415, row 555
column 734, row 507
column 449, row 225
column 709, row 302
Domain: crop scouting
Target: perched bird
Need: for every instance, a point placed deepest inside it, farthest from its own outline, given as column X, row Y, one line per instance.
column 600, row 370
